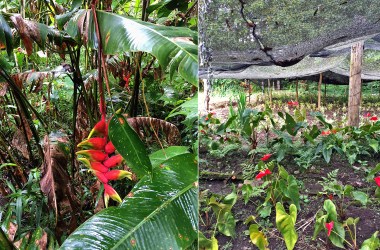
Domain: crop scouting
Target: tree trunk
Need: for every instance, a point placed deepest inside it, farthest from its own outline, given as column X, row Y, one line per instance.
column 278, row 85
column 354, row 93
column 297, row 91
column 319, row 90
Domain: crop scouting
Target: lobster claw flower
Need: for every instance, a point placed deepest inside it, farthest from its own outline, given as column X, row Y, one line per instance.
column 93, row 155
column 110, row 192
column 367, row 115
column 329, row 226
column 266, row 157
column 113, row 161
column 377, row 180
column 93, row 165
column 94, row 143
column 100, row 128
column 101, row 176
column 118, row 174
column 109, row 148
column 263, row 173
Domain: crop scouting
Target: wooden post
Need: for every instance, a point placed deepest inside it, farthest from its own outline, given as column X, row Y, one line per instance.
column 270, row 93
column 206, row 87
column 278, row 85
column 297, row 91
column 249, row 91
column 355, row 84
column 319, row 90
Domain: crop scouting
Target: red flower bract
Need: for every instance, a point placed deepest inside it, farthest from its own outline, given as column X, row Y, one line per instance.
column 329, row 226
column 113, row 161
column 266, row 157
column 373, row 118
column 100, row 128
column 118, row 174
column 366, row 115
column 94, row 143
column 110, row 192
column 377, row 180
column 263, row 173
column 109, row 148
column 93, row 155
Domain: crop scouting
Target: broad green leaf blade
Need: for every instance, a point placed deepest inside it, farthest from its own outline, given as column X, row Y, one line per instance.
column 286, row 224
column 371, row 243
column 158, row 214
column 172, row 46
column 257, row 237
column 162, row 155
column 337, row 235
column 129, row 145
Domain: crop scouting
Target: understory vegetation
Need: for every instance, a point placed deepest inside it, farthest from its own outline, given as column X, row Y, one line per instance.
column 277, row 172
column 98, row 135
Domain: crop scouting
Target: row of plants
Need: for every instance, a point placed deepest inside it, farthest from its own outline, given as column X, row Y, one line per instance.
column 278, row 197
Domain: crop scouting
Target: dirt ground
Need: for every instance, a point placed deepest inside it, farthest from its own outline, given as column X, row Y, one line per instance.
column 232, row 163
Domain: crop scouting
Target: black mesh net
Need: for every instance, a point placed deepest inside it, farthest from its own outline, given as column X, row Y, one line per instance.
column 263, row 39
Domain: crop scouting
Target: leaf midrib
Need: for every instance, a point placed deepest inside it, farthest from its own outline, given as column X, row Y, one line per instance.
column 154, row 212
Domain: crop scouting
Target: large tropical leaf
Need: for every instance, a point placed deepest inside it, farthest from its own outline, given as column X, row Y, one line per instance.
column 172, row 46
column 129, row 145
column 159, row 213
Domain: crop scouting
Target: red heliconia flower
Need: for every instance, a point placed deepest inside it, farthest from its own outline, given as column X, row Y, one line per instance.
column 329, row 226
column 109, row 148
column 290, row 103
column 373, row 118
column 95, row 165
column 331, row 197
column 113, row 161
column 295, row 103
column 118, row 174
column 100, row 129
column 94, row 143
column 266, row 157
column 263, row 173
column 377, row 180
column 367, row 115
column 326, row 132
column 101, row 176
column 110, row 192
column 93, row 155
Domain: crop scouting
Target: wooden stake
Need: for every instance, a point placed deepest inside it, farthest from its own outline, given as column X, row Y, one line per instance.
column 319, row 91
column 354, row 93
column 297, row 91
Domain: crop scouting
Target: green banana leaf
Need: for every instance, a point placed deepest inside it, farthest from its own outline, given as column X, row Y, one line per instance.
column 173, row 47
column 159, row 213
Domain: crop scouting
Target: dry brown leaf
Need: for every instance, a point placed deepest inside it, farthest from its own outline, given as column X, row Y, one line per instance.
column 20, row 143
column 57, row 185
column 147, row 128
column 3, row 88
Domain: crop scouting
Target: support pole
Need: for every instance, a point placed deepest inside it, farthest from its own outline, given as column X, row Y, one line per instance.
column 354, row 93
column 319, row 91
